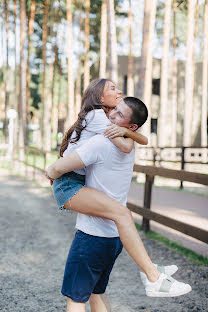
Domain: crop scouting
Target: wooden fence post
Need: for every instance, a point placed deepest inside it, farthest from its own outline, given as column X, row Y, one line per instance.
column 182, row 163
column 147, row 200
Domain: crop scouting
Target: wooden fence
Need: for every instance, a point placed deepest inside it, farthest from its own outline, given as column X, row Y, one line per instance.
column 145, row 211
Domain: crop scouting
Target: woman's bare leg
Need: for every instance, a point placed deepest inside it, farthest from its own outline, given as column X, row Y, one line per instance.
column 92, row 202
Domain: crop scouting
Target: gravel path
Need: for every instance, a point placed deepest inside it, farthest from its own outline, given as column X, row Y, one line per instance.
column 35, row 238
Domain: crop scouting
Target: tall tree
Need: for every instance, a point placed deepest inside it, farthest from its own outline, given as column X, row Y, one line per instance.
column 15, row 105
column 164, row 76
column 130, row 81
column 28, row 76
column 45, row 118
column 174, row 81
column 87, row 45
column 6, row 75
column 103, row 39
column 80, row 70
column 54, row 108
column 70, row 113
column 144, row 90
column 188, row 74
column 22, row 108
column 194, row 123
column 204, row 113
column 113, row 61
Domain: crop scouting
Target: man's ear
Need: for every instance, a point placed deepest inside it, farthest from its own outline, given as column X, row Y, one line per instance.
column 133, row 127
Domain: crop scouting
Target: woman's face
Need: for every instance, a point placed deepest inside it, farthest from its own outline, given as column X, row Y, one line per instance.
column 111, row 95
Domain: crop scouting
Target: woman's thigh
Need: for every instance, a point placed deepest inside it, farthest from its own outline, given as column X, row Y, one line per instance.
column 92, row 202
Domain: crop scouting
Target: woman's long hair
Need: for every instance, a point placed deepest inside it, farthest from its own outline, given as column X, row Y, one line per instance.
column 91, row 100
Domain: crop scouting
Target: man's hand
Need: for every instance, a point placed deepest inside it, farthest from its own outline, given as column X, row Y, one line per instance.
column 114, row 131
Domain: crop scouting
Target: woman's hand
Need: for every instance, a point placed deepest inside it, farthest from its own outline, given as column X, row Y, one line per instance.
column 48, row 177
column 114, row 131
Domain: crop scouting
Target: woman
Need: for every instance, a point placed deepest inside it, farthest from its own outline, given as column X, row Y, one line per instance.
column 101, row 95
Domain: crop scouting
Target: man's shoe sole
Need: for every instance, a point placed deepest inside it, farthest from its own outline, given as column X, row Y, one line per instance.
column 163, row 294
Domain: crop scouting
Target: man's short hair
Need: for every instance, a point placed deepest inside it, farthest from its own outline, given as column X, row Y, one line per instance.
column 139, row 110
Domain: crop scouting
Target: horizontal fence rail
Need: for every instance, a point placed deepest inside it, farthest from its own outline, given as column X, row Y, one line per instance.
column 151, row 172
column 182, row 227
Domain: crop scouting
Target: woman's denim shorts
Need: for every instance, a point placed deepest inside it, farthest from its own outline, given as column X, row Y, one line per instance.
column 67, row 186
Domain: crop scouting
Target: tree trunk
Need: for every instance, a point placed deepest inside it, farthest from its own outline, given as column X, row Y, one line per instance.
column 174, row 82
column 46, row 114
column 15, row 92
column 15, row 104
column 103, row 39
column 130, row 81
column 78, row 97
column 87, row 46
column 113, row 43
column 188, row 75
column 204, row 115
column 6, row 76
column 162, row 139
column 54, row 109
column 145, row 64
column 2, row 82
column 70, row 112
column 30, row 31
column 22, row 110
column 195, row 122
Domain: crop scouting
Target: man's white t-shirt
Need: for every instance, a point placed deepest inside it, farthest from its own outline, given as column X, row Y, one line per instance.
column 109, row 171
column 96, row 121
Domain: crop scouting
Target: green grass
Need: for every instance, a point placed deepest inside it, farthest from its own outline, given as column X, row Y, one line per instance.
column 193, row 256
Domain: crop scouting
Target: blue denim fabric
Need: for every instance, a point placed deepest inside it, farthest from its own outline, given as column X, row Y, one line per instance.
column 66, row 186
column 89, row 264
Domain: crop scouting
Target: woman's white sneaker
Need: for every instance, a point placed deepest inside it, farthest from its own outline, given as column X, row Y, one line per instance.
column 166, row 286
column 167, row 269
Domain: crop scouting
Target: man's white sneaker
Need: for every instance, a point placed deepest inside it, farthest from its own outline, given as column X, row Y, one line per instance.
column 166, row 286
column 168, row 270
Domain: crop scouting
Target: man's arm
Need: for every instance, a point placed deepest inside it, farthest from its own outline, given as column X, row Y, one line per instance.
column 68, row 163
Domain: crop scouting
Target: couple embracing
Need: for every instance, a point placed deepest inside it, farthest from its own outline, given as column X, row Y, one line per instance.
column 93, row 178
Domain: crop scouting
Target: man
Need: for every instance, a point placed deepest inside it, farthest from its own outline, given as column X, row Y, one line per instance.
column 97, row 245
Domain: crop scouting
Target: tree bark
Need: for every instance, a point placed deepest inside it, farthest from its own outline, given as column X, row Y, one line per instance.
column 30, row 31
column 22, row 110
column 162, row 139
column 145, row 64
column 70, row 113
column 130, row 81
column 188, row 75
column 195, row 122
column 87, row 46
column 46, row 113
column 103, row 40
column 113, row 43
column 6, row 75
column 174, row 82
column 204, row 114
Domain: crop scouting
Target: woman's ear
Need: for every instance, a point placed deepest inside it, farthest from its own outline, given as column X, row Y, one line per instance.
column 102, row 99
column 133, row 127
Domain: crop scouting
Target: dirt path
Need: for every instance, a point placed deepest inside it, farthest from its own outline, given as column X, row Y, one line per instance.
column 35, row 238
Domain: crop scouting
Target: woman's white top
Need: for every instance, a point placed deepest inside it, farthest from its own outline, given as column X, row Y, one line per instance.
column 97, row 122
